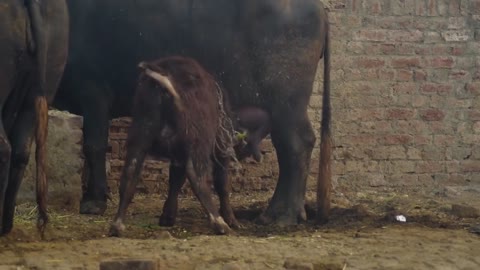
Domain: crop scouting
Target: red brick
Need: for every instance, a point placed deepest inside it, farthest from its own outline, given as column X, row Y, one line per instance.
column 405, row 88
column 473, row 88
column 432, row 8
column 441, row 62
column 387, row 48
column 470, row 166
column 436, row 88
column 374, row 7
column 454, row 7
column 395, row 139
column 362, row 140
column 370, row 35
column 474, row 115
column 422, row 139
column 419, row 75
column 369, row 62
column 405, row 62
column 420, row 8
column 444, row 140
column 430, row 167
column 399, row 114
column 386, row 74
column 458, row 50
column 404, row 75
column 405, row 36
column 458, row 75
column 432, row 115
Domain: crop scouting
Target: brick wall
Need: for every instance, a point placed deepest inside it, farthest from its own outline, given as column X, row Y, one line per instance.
column 406, row 91
column 405, row 97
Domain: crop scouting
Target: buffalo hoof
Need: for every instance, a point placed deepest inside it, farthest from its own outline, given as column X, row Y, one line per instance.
column 93, row 207
column 5, row 230
column 6, row 226
column 166, row 221
column 289, row 218
column 116, row 229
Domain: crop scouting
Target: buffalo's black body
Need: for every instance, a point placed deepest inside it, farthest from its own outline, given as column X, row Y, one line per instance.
column 33, row 53
column 263, row 52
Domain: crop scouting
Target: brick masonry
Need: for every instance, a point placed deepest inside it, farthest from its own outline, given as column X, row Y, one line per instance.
column 405, row 98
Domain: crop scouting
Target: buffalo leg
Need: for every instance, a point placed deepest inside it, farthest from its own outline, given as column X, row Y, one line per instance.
column 95, row 141
column 176, row 180
column 203, row 193
column 293, row 139
column 5, row 152
column 223, row 187
column 21, row 145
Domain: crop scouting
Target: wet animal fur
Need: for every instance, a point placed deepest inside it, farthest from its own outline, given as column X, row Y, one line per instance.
column 198, row 122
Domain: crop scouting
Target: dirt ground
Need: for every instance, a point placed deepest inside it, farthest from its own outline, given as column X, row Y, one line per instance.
column 441, row 232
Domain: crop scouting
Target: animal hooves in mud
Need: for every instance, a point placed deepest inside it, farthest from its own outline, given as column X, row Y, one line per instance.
column 235, row 224
column 221, row 228
column 5, row 230
column 280, row 220
column 115, row 230
column 42, row 225
column 93, row 207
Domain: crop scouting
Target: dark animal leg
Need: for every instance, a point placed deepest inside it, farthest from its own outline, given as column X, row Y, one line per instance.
column 293, row 139
column 21, row 145
column 95, row 141
column 5, row 152
column 139, row 141
column 128, row 182
column 201, row 190
column 223, row 187
column 176, row 180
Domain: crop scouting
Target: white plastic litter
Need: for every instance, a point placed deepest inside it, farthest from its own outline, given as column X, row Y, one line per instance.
column 401, row 218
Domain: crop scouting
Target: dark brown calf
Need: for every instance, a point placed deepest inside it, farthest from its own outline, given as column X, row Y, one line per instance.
column 178, row 115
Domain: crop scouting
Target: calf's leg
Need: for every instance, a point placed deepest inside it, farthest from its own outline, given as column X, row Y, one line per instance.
column 176, row 180
column 203, row 193
column 223, row 187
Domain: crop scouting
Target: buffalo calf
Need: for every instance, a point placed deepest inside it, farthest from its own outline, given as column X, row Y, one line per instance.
column 178, row 114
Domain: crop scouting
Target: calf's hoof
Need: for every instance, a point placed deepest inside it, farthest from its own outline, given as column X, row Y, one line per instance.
column 219, row 225
column 93, row 207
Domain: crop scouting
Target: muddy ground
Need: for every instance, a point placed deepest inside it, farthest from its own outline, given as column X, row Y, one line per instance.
column 363, row 234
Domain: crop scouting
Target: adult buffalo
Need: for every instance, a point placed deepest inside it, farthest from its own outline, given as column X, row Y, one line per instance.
column 33, row 53
column 264, row 52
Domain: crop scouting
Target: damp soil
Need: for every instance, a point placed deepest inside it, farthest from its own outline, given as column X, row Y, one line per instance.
column 363, row 233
